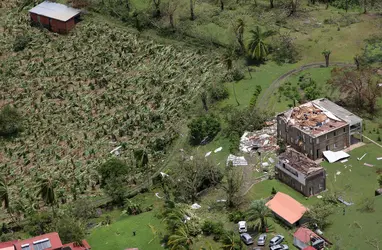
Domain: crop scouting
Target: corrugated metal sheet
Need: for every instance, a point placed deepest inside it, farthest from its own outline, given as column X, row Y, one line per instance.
column 55, row 10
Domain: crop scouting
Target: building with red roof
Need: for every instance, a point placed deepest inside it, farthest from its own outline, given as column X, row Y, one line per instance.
column 50, row 241
column 286, row 208
column 304, row 238
column 9, row 245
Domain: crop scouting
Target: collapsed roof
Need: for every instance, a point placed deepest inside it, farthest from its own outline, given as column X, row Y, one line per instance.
column 314, row 119
column 300, row 162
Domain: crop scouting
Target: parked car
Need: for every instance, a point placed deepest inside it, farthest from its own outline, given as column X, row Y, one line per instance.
column 242, row 226
column 276, row 240
column 246, row 238
column 279, row 247
column 256, row 248
column 261, row 240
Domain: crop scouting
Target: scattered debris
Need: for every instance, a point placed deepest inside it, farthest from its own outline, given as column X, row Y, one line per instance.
column 379, row 158
column 345, row 202
column 195, row 206
column 191, row 157
column 368, row 165
column 208, row 154
column 361, row 157
column 116, row 151
column 157, row 195
column 164, row 174
column 319, row 196
column 237, row 160
column 218, row 149
column 266, row 139
column 335, row 156
column 271, row 160
column 343, row 161
column 218, row 201
column 186, row 218
column 265, row 164
column 338, row 173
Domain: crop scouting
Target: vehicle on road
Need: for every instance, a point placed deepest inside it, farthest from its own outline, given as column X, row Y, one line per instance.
column 261, row 240
column 246, row 238
column 276, row 240
column 279, row 247
column 242, row 226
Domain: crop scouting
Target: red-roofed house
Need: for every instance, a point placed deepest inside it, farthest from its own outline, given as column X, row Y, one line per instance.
column 74, row 246
column 309, row 248
column 304, row 237
column 7, row 245
column 286, row 208
column 50, row 241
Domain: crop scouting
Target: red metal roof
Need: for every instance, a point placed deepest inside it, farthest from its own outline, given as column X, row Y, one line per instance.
column 74, row 246
column 6, row 245
column 286, row 207
column 55, row 241
column 309, row 248
column 304, row 234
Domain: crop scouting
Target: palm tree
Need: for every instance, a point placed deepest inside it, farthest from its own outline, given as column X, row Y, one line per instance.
column 231, row 241
column 326, row 54
column 181, row 239
column 259, row 212
column 47, row 191
column 4, row 193
column 257, row 46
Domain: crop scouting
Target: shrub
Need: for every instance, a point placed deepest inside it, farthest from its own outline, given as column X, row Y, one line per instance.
column 132, row 208
column 236, row 216
column 284, row 50
column 273, row 191
column 21, row 42
column 218, row 92
column 70, row 230
column 255, row 95
column 203, row 128
column 83, row 210
column 10, row 121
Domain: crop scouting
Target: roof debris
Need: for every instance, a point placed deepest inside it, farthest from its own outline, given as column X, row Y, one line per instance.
column 264, row 139
column 300, row 162
column 237, row 160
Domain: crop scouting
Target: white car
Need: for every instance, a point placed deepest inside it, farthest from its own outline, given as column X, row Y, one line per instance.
column 279, row 247
column 276, row 240
column 242, row 226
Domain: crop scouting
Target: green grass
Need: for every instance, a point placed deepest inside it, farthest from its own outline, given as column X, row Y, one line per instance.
column 354, row 186
column 119, row 235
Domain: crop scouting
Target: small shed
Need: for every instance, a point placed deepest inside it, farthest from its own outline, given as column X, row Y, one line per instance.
column 304, row 238
column 54, row 16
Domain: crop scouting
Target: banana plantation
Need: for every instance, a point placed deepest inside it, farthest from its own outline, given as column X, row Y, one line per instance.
column 85, row 94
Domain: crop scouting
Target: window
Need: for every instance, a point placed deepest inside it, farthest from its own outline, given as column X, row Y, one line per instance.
column 335, row 133
column 327, row 147
column 301, row 187
column 291, row 140
column 344, row 130
column 311, row 152
column 318, row 140
column 303, row 138
column 334, row 145
column 304, row 148
column 279, row 121
column 310, row 139
column 326, row 136
column 320, row 186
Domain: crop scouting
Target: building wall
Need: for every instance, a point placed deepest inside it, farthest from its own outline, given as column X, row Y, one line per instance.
column 313, row 184
column 53, row 24
column 313, row 147
column 58, row 26
column 70, row 24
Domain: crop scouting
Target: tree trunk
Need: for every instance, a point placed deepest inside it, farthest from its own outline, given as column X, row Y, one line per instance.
column 128, row 5
column 327, row 4
column 234, row 93
column 172, row 21
column 347, row 5
column 327, row 60
column 221, row 5
column 192, row 10
column 271, row 4
column 364, row 6
column 204, row 101
column 356, row 61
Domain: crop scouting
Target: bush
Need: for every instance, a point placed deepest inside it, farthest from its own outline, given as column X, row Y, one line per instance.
column 218, row 92
column 70, row 230
column 236, row 216
column 284, row 50
column 10, row 121
column 83, row 210
column 132, row 208
column 203, row 129
column 252, row 102
column 21, row 42
column 273, row 191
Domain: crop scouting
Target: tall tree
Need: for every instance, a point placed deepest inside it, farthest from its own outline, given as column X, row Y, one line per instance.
column 157, row 12
column 326, row 53
column 257, row 46
column 271, row 4
column 46, row 189
column 231, row 241
column 259, row 212
column 239, row 32
column 192, row 6
column 234, row 180
column 172, row 6
column 221, row 5
column 4, row 192
column 364, row 6
column 181, row 239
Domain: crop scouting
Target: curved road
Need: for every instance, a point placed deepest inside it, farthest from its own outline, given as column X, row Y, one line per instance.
column 263, row 102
